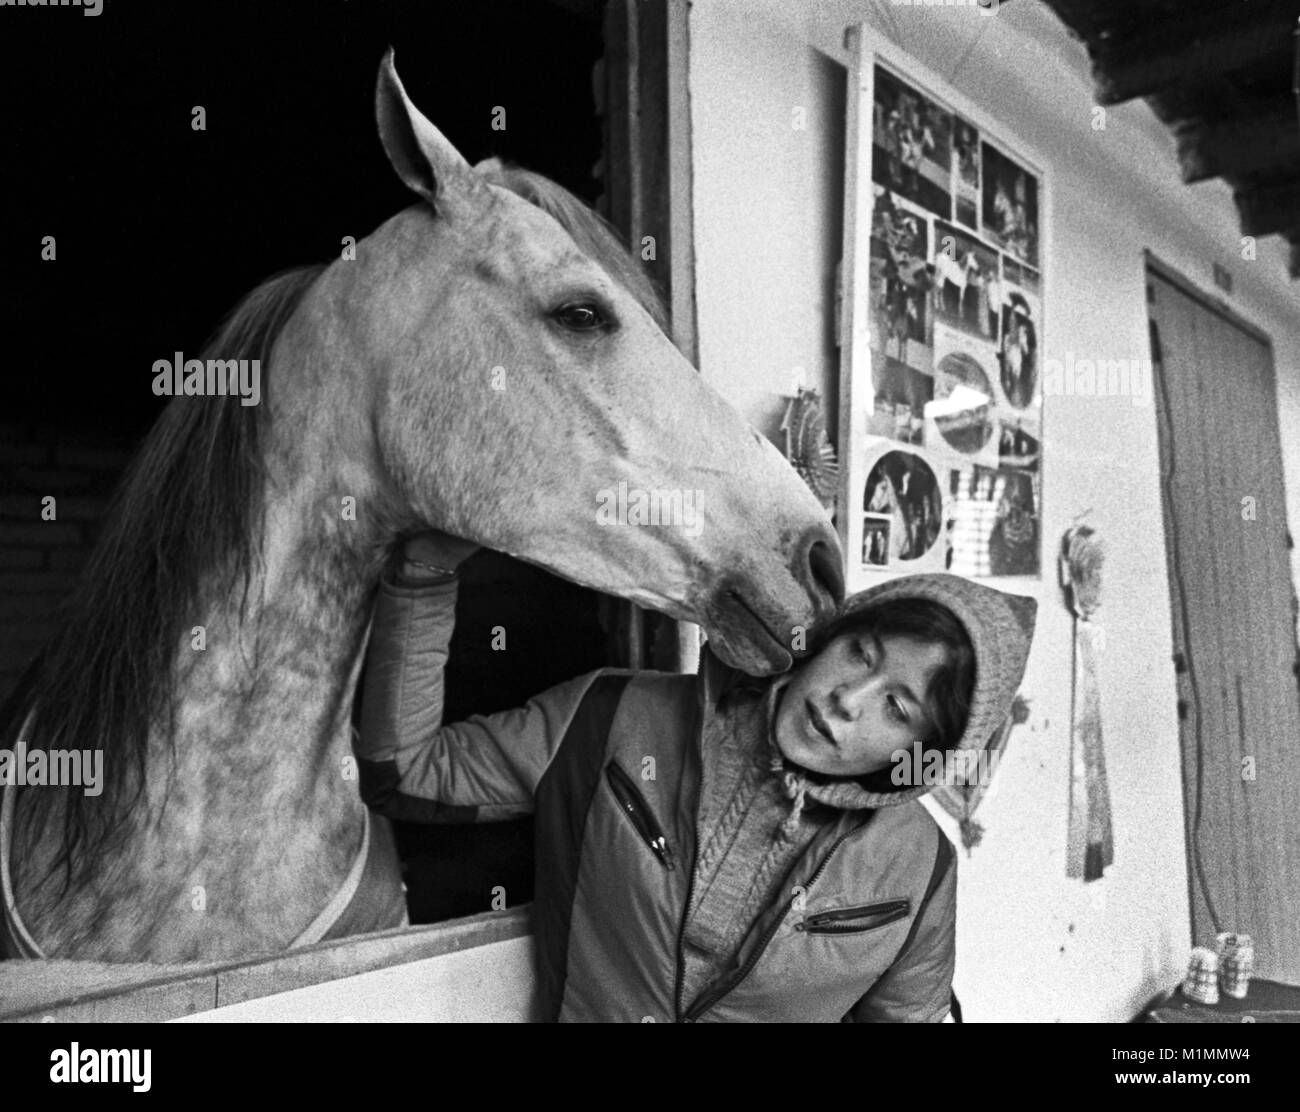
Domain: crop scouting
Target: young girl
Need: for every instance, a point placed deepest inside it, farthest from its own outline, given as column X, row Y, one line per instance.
column 714, row 846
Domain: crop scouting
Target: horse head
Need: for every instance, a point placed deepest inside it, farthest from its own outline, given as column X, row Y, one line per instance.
column 524, row 395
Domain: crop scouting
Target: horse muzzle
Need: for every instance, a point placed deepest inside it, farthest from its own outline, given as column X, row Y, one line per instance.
column 758, row 630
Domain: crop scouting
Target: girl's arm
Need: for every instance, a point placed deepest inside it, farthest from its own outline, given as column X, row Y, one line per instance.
column 412, row 766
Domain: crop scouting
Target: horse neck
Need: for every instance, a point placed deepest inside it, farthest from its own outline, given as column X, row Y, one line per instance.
column 282, row 656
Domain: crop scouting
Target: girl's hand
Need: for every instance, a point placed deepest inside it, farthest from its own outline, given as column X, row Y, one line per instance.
column 425, row 555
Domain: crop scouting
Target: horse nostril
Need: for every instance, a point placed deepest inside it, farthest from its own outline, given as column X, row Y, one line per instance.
column 826, row 575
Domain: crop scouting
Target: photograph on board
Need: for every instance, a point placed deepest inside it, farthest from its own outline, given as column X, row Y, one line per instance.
column 901, row 396
column 965, row 273
column 901, row 280
column 1018, row 443
column 1018, row 349
column 875, row 540
column 912, row 141
column 1010, row 215
column 966, row 173
column 903, row 487
column 961, row 416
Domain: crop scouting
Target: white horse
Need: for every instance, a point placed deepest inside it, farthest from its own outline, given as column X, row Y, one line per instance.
column 490, row 362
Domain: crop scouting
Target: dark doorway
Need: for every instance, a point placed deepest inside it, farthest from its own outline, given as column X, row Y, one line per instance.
column 161, row 229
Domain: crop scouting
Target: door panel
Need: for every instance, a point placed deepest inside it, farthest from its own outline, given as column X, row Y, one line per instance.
column 1230, row 587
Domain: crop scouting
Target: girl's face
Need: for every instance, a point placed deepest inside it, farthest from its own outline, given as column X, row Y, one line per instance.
column 852, row 706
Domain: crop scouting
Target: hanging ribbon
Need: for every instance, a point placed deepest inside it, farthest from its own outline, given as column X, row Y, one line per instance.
column 1090, row 845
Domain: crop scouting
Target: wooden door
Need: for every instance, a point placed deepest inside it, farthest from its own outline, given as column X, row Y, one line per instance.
column 1227, row 548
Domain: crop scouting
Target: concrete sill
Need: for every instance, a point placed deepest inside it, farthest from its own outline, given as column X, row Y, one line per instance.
column 98, row 992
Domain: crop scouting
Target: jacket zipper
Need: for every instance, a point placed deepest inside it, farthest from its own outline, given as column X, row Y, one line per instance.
column 632, row 803
column 853, row 920
column 709, row 999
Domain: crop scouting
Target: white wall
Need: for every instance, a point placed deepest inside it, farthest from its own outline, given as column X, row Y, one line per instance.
column 1032, row 945
column 768, row 202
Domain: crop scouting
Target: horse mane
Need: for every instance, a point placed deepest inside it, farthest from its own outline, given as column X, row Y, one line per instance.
column 185, row 515
column 593, row 234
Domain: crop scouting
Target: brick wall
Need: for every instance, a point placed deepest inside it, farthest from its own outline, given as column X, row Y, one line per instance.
column 40, row 561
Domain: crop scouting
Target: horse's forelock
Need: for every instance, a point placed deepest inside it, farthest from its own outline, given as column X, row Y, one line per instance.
column 593, row 234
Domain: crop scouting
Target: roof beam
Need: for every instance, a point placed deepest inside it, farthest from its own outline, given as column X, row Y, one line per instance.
column 587, row 9
column 1240, row 146
column 1164, row 55
column 1269, row 209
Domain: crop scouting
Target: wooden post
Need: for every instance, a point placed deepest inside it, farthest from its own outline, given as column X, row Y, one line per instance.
column 1269, row 209
column 643, row 87
column 1228, row 40
column 1239, row 146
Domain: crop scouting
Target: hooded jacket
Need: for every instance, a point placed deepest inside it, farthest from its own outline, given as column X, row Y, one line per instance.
column 655, row 799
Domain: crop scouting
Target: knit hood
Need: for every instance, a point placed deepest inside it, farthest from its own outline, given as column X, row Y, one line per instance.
column 1000, row 627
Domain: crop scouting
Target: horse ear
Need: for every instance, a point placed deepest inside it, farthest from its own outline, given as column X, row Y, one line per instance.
column 423, row 157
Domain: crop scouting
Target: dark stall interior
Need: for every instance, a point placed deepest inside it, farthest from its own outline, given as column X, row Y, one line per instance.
column 160, row 229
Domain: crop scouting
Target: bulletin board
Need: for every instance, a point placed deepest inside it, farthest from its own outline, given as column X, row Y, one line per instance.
column 942, row 293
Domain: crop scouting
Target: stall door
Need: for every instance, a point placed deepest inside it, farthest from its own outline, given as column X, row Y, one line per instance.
column 1234, row 630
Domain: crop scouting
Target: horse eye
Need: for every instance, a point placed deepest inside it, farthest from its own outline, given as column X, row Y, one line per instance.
column 581, row 317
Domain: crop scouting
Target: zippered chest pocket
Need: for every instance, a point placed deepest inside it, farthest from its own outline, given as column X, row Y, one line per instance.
column 633, row 804
column 854, row 920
